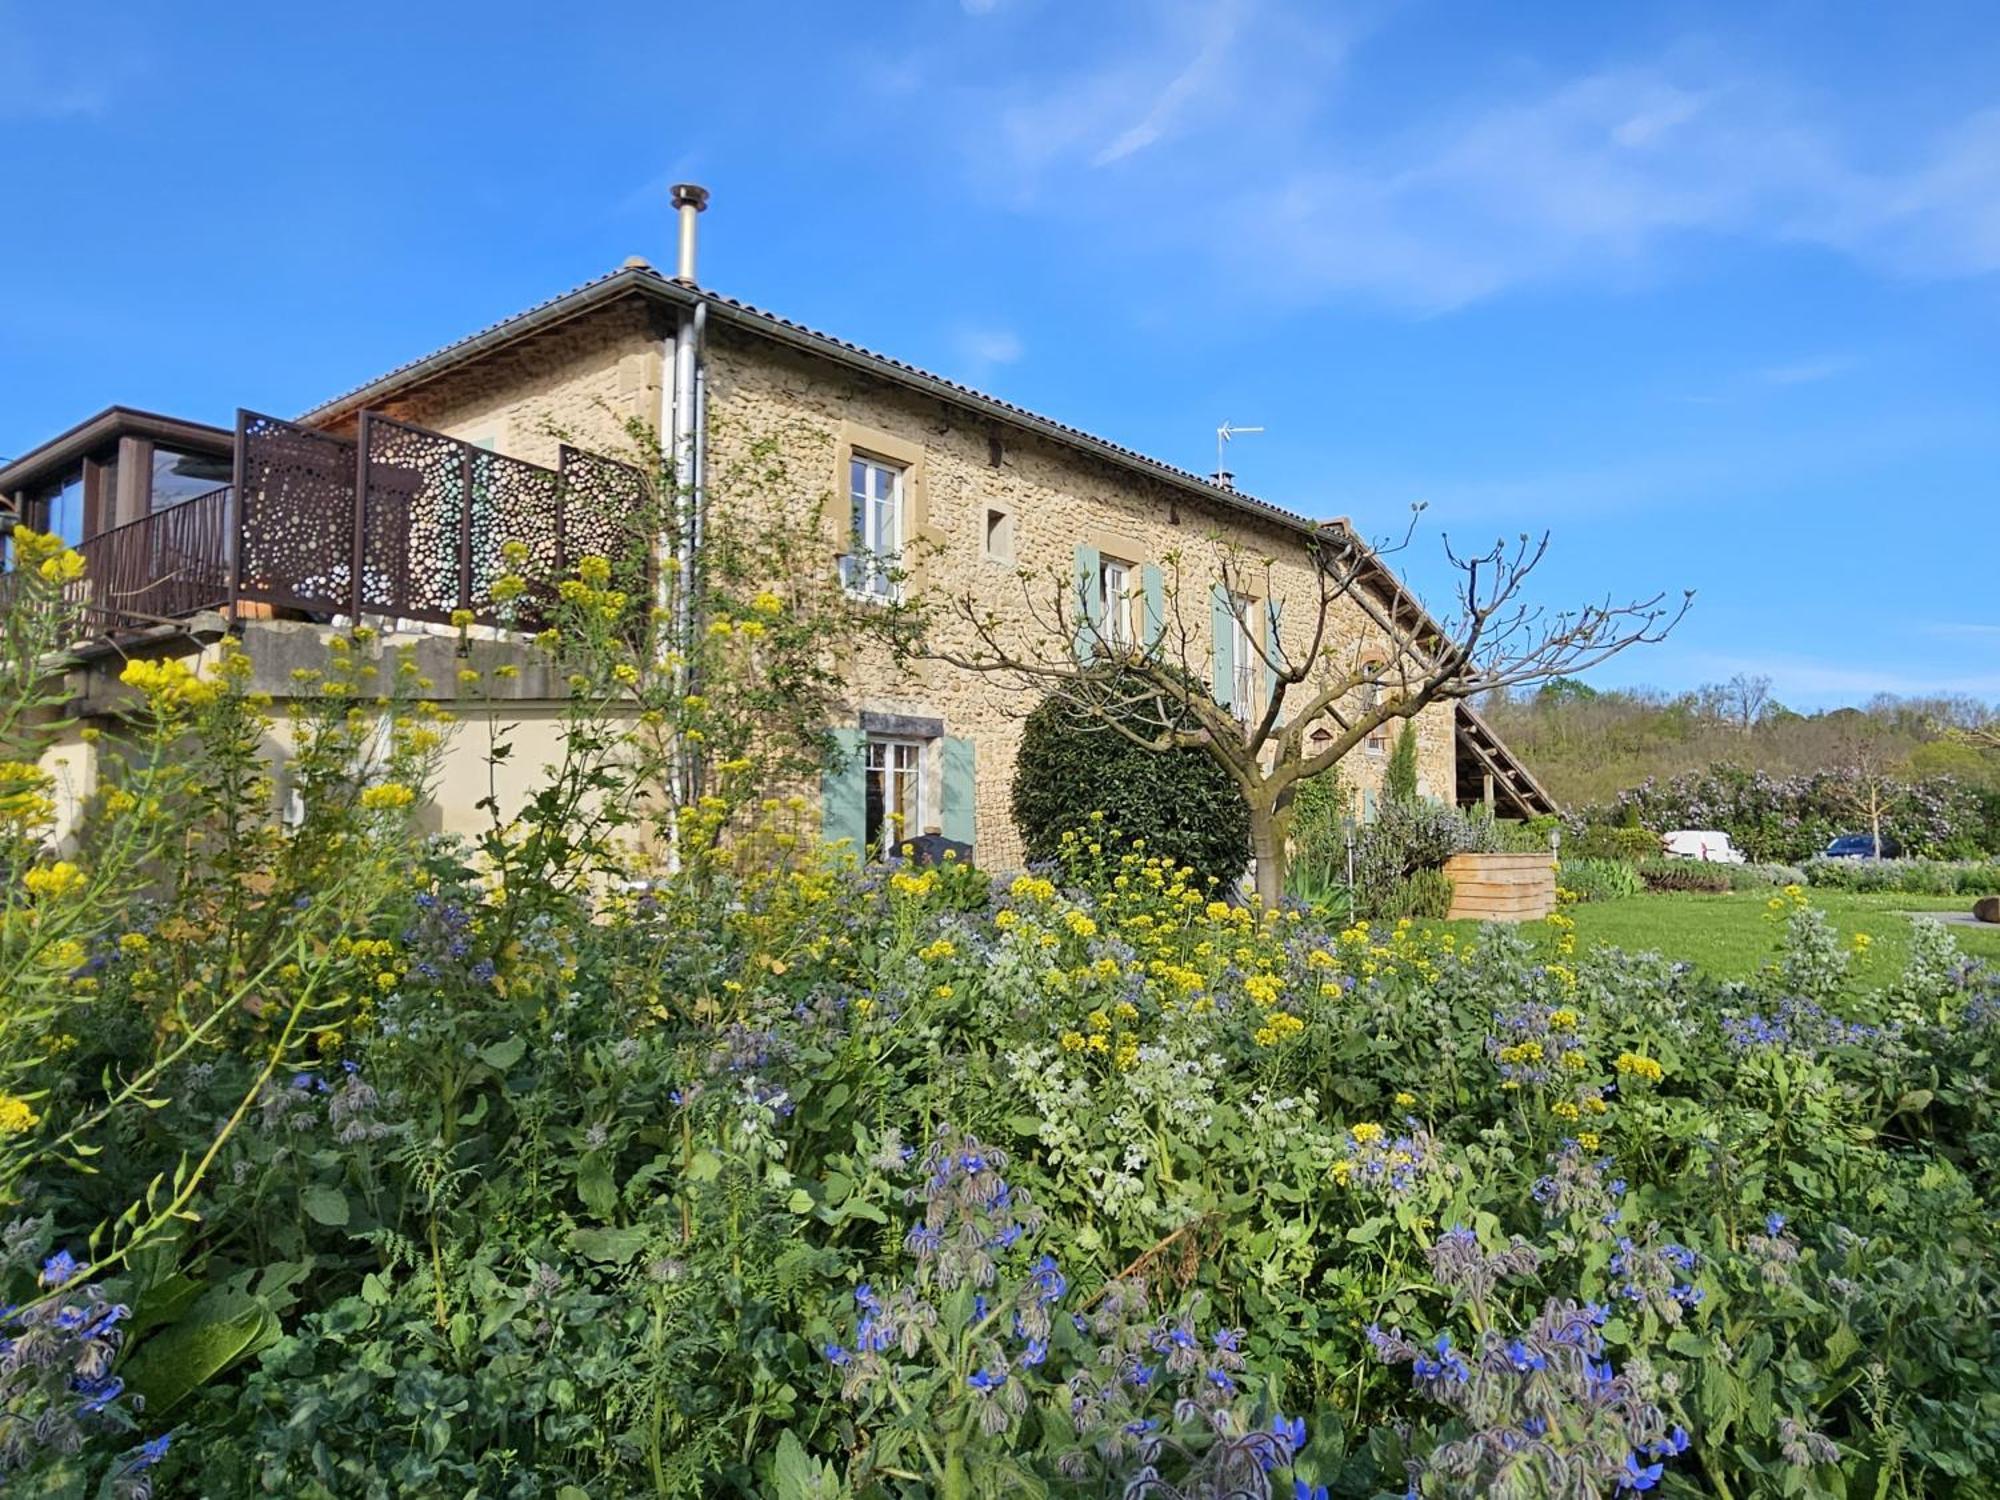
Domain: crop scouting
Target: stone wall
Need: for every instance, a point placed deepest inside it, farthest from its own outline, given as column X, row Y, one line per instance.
column 588, row 377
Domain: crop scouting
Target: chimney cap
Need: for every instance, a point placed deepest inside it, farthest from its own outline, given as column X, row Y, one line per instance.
column 637, row 263
column 690, row 195
column 1223, row 479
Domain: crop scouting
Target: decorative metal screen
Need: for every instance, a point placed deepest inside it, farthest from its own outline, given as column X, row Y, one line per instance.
column 604, row 514
column 412, row 524
column 295, row 515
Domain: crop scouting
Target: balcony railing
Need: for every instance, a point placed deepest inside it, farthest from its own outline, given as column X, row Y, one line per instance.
column 164, row 566
column 397, row 522
column 407, row 523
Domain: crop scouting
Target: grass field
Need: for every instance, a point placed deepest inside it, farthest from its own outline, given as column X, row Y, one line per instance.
column 1731, row 936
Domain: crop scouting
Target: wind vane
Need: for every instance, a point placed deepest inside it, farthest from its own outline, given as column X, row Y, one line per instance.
column 1223, row 434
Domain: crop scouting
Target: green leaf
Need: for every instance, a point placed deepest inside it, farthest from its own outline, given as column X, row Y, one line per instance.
column 791, row 1471
column 220, row 1331
column 594, row 1185
column 503, row 1055
column 1367, row 1233
column 571, row 1492
column 801, row 1201
column 705, row 1167
column 375, row 1289
column 1914, row 1102
column 324, row 1205
column 610, row 1245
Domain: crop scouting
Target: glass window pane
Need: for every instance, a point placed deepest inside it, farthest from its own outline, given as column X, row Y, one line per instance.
column 182, row 476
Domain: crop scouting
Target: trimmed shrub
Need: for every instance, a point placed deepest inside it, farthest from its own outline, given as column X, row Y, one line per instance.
column 1180, row 801
column 1685, row 875
column 1599, row 879
column 1762, row 877
column 1913, row 877
column 1605, row 841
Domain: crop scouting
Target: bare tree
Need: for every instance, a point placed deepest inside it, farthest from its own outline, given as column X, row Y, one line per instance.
column 1870, row 766
column 1746, row 697
column 1364, row 652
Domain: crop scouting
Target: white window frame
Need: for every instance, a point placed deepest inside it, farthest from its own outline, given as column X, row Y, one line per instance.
column 1377, row 743
column 873, row 558
column 1244, row 658
column 1114, row 594
column 878, row 756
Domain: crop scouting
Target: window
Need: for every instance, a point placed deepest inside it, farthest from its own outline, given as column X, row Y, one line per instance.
column 1377, row 742
column 62, row 509
column 1114, row 583
column 1243, row 655
column 1000, row 535
column 178, row 477
column 894, row 772
column 876, row 533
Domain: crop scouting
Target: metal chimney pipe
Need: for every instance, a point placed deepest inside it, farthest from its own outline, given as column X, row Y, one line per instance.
column 689, row 200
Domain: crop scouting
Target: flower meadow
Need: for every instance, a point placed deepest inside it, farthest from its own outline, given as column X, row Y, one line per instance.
column 344, row 1161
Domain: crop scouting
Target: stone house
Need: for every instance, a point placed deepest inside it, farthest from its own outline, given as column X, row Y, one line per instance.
column 280, row 525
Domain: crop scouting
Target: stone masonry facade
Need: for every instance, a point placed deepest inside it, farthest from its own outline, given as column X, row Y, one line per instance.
column 587, row 378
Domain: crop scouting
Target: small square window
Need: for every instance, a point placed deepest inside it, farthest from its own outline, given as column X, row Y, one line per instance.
column 1000, row 534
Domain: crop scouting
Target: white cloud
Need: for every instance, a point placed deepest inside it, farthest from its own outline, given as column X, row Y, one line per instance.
column 1433, row 203
column 981, row 350
column 1807, row 371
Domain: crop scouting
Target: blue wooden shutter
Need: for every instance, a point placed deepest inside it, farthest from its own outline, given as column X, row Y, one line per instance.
column 1273, row 612
column 843, row 792
column 1089, row 601
column 1222, row 622
column 1153, row 585
column 959, row 778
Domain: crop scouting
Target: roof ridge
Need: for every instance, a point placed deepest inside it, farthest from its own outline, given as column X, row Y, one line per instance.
column 649, row 279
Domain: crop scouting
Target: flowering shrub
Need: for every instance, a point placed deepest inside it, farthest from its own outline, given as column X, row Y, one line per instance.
column 341, row 1161
column 1793, row 818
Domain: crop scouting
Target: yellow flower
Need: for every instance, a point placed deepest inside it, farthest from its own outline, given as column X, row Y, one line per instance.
column 1366, row 1133
column 943, row 948
column 1563, row 1109
column 16, row 1116
column 388, row 795
column 1405, row 1101
column 1005, row 919
column 1097, row 1044
column 1861, row 942
column 1562, row 1020
column 768, row 604
column 1635, row 1066
column 56, row 881
column 461, row 618
column 1080, row 924
column 1588, row 1139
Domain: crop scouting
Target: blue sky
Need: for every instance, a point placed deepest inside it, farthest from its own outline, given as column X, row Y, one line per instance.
column 1712, row 291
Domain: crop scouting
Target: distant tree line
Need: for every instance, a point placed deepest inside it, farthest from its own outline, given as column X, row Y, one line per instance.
column 1923, row 771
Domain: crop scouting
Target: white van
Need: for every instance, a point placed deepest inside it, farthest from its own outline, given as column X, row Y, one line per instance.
column 1703, row 843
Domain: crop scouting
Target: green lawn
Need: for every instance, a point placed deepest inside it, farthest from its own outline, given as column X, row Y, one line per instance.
column 1731, row 936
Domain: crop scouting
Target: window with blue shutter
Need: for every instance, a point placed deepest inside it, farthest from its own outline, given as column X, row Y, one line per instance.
column 843, row 792
column 1153, row 586
column 960, row 781
column 1222, row 626
column 1088, row 601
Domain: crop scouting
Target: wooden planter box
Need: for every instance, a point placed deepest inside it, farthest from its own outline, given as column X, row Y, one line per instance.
column 1501, row 887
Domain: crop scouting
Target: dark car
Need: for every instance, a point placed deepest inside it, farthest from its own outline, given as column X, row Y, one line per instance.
column 1862, row 846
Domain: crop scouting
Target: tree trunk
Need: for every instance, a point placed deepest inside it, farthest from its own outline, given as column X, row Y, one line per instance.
column 1267, row 846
